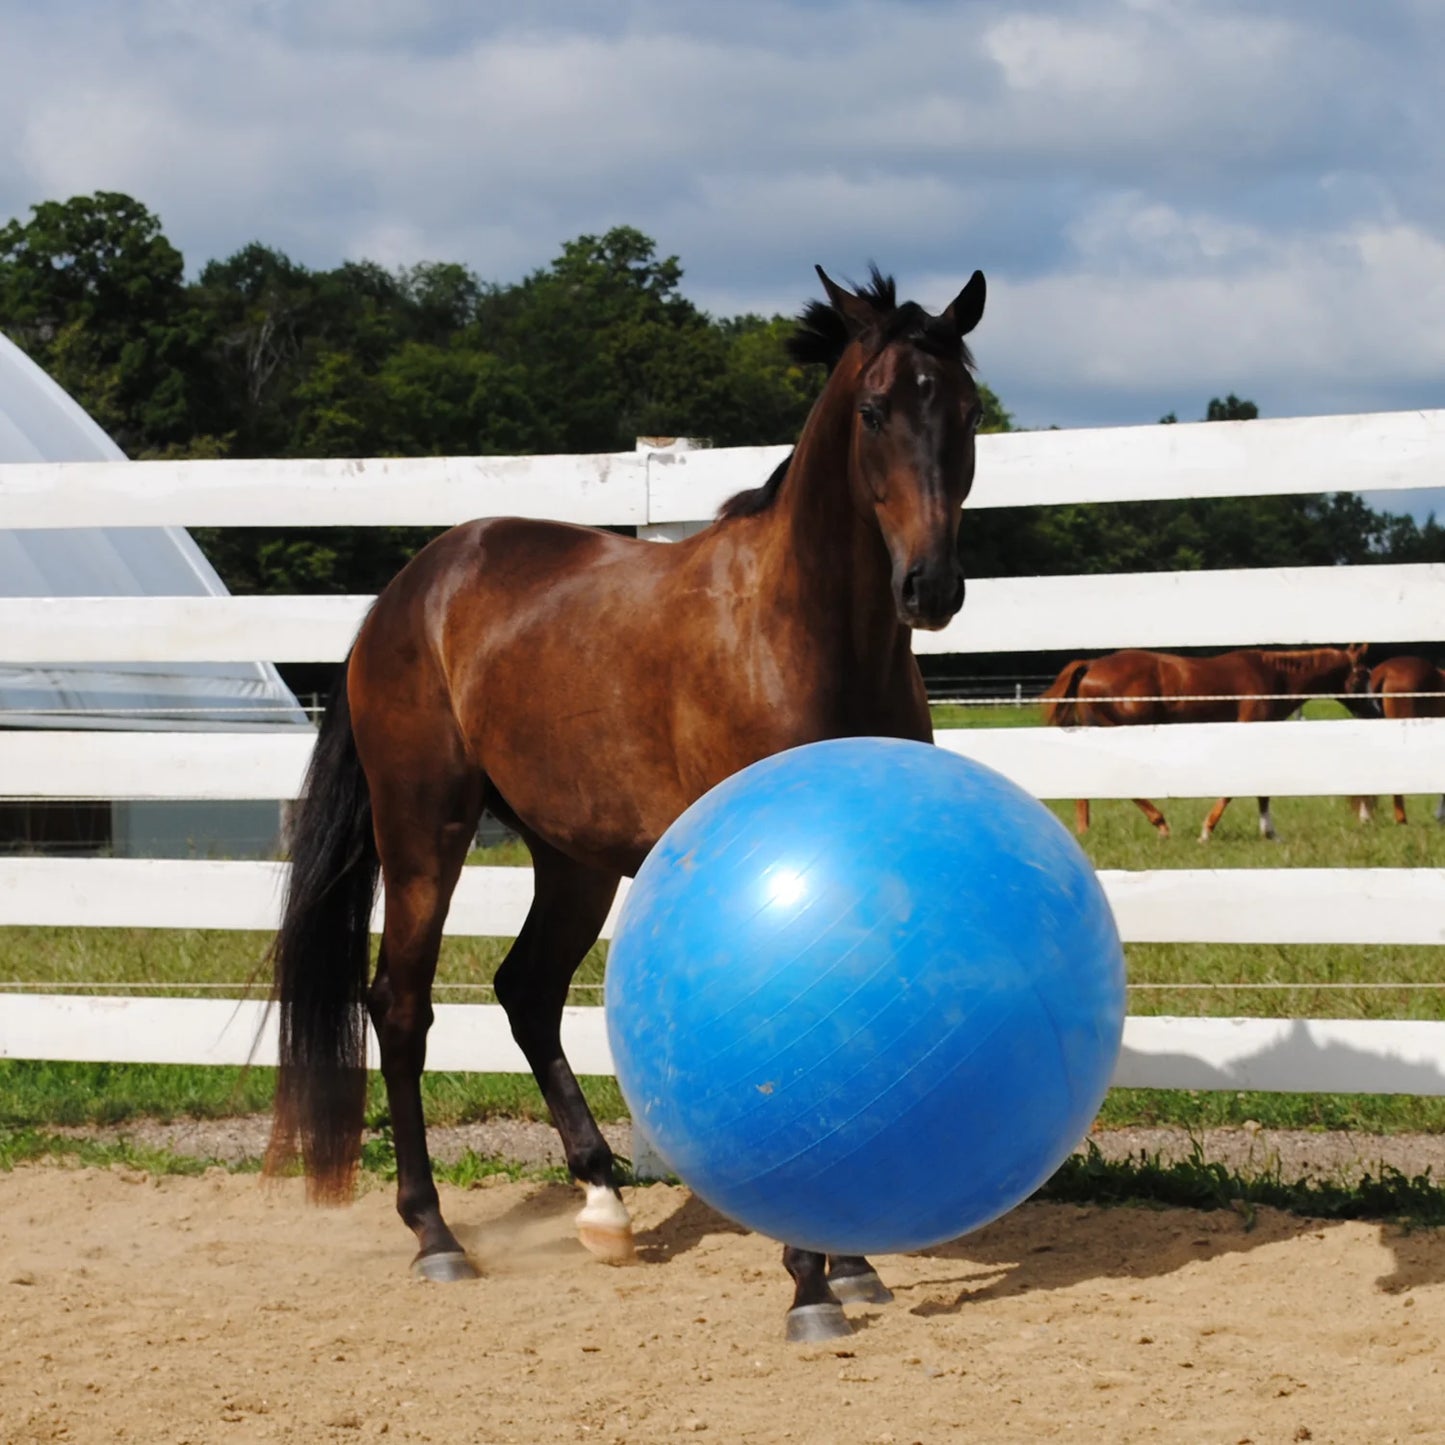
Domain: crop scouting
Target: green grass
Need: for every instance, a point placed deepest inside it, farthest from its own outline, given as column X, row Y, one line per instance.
column 1312, row 981
column 1200, row 1183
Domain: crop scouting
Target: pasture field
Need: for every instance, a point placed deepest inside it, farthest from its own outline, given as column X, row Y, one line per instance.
column 1216, row 979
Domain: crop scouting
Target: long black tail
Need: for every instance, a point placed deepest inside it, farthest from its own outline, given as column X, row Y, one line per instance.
column 320, row 958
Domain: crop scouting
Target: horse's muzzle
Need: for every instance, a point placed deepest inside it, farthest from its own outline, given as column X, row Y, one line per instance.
column 930, row 597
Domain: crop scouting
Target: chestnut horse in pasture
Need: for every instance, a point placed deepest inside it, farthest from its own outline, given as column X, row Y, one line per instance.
column 585, row 688
column 1384, row 691
column 1250, row 685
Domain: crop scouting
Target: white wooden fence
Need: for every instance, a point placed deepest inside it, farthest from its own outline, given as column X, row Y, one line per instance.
column 655, row 491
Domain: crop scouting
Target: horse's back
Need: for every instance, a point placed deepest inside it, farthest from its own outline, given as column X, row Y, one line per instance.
column 601, row 683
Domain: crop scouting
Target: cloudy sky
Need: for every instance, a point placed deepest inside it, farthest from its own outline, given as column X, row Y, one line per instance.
column 1171, row 199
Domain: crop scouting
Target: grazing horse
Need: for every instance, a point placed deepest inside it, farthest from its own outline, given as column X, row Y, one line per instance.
column 1250, row 685
column 1375, row 692
column 585, row 688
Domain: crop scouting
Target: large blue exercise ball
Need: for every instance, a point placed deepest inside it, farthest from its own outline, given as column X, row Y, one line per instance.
column 865, row 995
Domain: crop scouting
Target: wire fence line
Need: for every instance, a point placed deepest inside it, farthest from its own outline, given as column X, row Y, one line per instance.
column 1300, row 698
column 161, row 714
column 244, row 989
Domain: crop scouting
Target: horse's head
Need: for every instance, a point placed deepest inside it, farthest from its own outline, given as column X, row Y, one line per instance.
column 1359, row 700
column 915, row 411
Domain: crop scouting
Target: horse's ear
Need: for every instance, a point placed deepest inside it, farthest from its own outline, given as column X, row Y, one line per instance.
column 1356, row 651
column 857, row 312
column 965, row 311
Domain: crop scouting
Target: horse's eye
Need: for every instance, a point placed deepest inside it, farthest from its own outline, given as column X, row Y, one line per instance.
column 872, row 416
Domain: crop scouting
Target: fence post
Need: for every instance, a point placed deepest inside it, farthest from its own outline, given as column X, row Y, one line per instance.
column 667, row 531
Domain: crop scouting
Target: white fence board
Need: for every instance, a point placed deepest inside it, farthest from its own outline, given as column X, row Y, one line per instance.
column 1231, row 905
column 1380, row 452
column 179, row 629
column 101, row 764
column 608, row 488
column 1292, row 605
column 1308, row 1056
column 1304, row 1055
column 1224, row 759
column 472, row 1037
column 1284, row 606
column 1383, row 451
column 1184, row 761
column 1279, row 905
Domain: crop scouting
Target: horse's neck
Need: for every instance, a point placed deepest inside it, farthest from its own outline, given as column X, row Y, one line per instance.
column 829, row 556
column 1322, row 671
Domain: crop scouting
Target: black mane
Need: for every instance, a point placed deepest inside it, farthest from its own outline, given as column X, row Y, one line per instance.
column 756, row 499
column 820, row 339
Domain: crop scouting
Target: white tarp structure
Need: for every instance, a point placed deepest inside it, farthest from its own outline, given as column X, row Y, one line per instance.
column 39, row 422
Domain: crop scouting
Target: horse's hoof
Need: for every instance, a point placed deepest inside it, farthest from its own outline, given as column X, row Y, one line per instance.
column 605, row 1227
column 808, row 1323
column 446, row 1267
column 611, row 1246
column 860, row 1289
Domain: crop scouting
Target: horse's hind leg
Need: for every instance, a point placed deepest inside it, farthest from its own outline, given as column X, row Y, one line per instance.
column 1081, row 815
column 1440, row 809
column 854, row 1280
column 569, row 907
column 1161, row 826
column 424, row 825
column 1400, row 808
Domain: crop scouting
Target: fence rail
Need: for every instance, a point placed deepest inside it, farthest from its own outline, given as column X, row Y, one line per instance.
column 1383, row 451
column 1172, row 761
column 665, row 491
column 1308, row 1055
column 1203, row 905
column 1305, row 606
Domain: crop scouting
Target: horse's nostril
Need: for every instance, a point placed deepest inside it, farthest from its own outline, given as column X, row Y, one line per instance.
column 911, row 582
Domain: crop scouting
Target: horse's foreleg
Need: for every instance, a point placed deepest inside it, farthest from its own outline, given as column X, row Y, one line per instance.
column 1400, row 809
column 1266, row 821
column 569, row 907
column 1081, row 815
column 1153, row 814
column 1440, row 809
column 1212, row 821
column 419, row 884
column 816, row 1312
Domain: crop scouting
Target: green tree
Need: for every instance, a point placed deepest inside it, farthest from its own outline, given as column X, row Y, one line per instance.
column 93, row 291
column 1230, row 409
column 610, row 349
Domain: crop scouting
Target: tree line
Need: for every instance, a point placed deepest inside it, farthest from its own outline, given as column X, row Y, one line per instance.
column 260, row 356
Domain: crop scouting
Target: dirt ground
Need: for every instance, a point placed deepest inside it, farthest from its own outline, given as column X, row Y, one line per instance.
column 166, row 1309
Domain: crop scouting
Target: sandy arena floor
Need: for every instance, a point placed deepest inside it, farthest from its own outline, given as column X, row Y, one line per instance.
column 218, row 1309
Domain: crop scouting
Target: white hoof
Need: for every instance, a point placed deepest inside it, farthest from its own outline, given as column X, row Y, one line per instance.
column 605, row 1227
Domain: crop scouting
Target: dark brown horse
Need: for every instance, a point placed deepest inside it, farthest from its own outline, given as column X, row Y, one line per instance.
column 1385, row 691
column 1250, row 685
column 585, row 688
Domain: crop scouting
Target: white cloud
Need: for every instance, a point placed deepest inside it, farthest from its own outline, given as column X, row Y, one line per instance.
column 1170, row 198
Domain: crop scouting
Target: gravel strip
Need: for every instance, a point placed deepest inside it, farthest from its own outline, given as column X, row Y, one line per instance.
column 1298, row 1153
